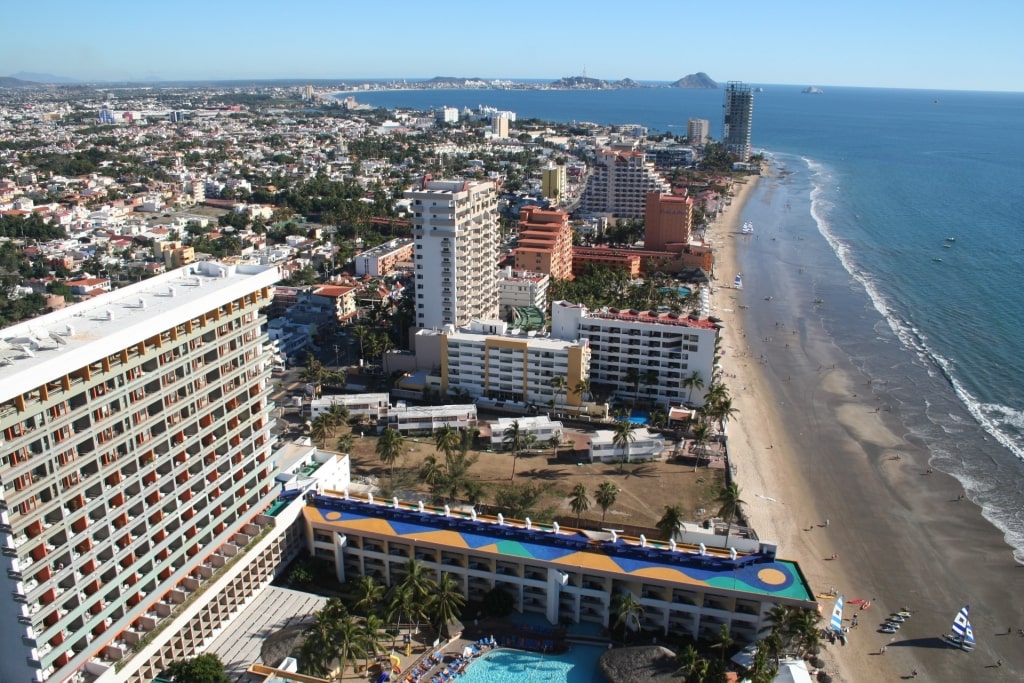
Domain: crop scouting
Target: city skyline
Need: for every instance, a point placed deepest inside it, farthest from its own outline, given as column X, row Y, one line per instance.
column 951, row 46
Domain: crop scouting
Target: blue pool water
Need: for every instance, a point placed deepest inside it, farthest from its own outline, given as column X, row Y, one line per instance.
column 683, row 291
column 638, row 417
column 578, row 665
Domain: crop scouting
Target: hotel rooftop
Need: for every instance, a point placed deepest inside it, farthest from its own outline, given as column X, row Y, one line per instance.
column 560, row 572
column 73, row 337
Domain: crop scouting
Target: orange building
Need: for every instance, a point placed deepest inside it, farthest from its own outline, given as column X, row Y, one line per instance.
column 619, row 259
column 545, row 243
column 668, row 220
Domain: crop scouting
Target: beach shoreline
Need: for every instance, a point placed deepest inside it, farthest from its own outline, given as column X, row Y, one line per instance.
column 827, row 472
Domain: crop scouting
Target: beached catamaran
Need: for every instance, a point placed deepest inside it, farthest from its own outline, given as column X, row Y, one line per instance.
column 961, row 635
column 836, row 623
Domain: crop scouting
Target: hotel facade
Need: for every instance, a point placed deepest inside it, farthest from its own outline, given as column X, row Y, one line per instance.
column 562, row 574
column 645, row 354
column 136, row 456
column 455, row 234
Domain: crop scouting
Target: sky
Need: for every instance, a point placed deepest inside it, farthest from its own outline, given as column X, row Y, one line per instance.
column 936, row 44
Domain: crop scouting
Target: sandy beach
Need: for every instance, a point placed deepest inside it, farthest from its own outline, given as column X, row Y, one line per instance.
column 825, row 470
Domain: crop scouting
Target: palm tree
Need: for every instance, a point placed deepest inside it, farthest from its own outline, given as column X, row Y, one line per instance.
column 691, row 382
column 447, row 439
column 430, row 471
column 350, row 641
column 723, row 642
column 627, row 611
column 623, row 438
column 389, row 448
column 657, row 418
column 373, row 636
column 368, row 594
column 716, row 392
column 555, row 441
column 806, row 632
column 579, row 503
column 722, row 410
column 687, row 660
column 764, row 667
column 560, row 384
column 701, row 435
column 514, row 439
column 337, row 415
column 420, row 586
column 447, row 602
column 320, row 428
column 317, row 649
column 632, row 377
column 605, row 496
column 583, row 388
column 730, row 501
column 670, row 521
column 649, row 378
column 401, row 599
column 345, row 443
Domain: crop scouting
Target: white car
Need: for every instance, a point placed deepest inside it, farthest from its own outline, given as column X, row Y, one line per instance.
column 889, row 627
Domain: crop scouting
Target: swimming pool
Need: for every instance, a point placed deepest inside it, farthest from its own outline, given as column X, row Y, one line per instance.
column 578, row 665
column 639, row 417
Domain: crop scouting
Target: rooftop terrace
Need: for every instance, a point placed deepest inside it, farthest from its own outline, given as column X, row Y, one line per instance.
column 760, row 573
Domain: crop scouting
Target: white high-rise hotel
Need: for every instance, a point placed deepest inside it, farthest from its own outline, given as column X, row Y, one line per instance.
column 135, row 442
column 455, row 230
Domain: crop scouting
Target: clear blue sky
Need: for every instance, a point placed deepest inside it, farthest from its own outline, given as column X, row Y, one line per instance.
column 942, row 44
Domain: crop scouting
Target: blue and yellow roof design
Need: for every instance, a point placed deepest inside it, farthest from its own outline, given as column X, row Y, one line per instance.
column 757, row 573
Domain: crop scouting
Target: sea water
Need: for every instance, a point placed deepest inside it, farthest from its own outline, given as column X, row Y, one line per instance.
column 917, row 198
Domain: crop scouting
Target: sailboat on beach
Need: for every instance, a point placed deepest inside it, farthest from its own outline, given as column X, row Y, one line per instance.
column 961, row 634
column 836, row 622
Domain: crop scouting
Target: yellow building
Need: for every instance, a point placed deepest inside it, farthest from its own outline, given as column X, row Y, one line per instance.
column 552, row 182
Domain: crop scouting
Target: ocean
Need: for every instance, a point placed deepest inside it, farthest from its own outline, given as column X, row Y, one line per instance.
column 910, row 208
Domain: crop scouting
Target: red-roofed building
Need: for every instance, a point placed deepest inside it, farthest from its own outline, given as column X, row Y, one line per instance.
column 89, row 286
column 342, row 298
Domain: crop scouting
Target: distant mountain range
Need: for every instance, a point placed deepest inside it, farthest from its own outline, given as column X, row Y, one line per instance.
column 42, row 78
column 697, row 81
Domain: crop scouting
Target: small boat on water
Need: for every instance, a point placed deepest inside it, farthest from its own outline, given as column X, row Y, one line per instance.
column 951, row 239
column 737, row 282
column 937, row 260
column 961, row 634
column 747, row 228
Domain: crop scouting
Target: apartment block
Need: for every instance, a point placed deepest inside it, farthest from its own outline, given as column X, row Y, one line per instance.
column 384, row 259
column 455, row 232
column 668, row 221
column 553, row 181
column 563, row 574
column 738, row 119
column 641, row 356
column 698, row 131
column 522, row 289
column 544, row 243
column 620, row 182
column 135, row 442
column 503, row 370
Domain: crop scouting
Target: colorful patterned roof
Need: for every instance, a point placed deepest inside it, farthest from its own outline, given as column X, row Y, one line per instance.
column 752, row 573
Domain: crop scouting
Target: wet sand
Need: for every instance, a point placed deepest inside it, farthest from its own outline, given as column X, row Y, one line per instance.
column 813, row 440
